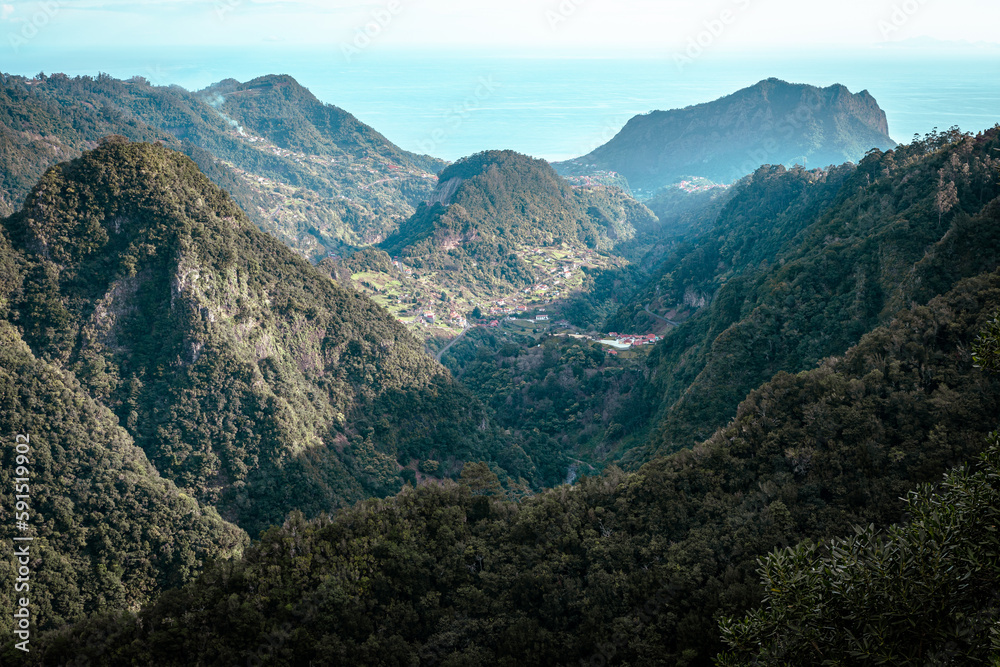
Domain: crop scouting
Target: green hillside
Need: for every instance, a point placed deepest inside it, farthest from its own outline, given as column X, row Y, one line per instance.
column 108, row 532
column 314, row 176
column 625, row 568
column 492, row 208
column 278, row 108
column 799, row 265
column 248, row 377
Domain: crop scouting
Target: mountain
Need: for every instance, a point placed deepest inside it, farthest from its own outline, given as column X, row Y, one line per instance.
column 249, row 378
column 108, row 532
column 772, row 122
column 799, row 265
column 278, row 108
column 311, row 175
column 491, row 209
column 628, row 568
column 308, row 173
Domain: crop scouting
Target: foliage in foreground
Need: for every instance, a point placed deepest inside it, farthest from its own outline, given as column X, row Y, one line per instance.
column 923, row 592
column 623, row 569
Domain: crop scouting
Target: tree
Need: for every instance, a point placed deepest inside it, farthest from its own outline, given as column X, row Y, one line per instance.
column 480, row 479
column 986, row 351
column 947, row 196
column 923, row 592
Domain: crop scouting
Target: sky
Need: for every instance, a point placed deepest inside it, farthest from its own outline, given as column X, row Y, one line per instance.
column 601, row 28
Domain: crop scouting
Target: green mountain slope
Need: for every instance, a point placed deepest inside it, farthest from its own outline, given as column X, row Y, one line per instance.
column 278, row 108
column 248, row 377
column 109, row 533
column 315, row 177
column 625, row 568
column 490, row 209
column 771, row 122
column 799, row 265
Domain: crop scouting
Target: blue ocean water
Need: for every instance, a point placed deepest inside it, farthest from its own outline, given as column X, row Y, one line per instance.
column 452, row 105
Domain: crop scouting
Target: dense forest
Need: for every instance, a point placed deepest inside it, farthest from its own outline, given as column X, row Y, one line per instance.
column 922, row 592
column 330, row 187
column 624, row 568
column 564, row 400
column 800, row 264
column 248, row 377
column 108, row 531
column 231, row 442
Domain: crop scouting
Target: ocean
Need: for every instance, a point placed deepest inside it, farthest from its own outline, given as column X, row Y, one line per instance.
column 454, row 104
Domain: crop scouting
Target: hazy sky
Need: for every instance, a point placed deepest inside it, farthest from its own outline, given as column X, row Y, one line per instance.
column 598, row 27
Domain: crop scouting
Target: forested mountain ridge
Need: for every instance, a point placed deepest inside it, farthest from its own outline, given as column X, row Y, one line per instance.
column 297, row 183
column 922, row 592
column 248, row 377
column 625, row 568
column 770, row 122
column 108, row 532
column 799, row 265
column 279, row 108
column 493, row 207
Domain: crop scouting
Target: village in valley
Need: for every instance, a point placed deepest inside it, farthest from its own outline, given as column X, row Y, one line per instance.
column 439, row 314
column 436, row 308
